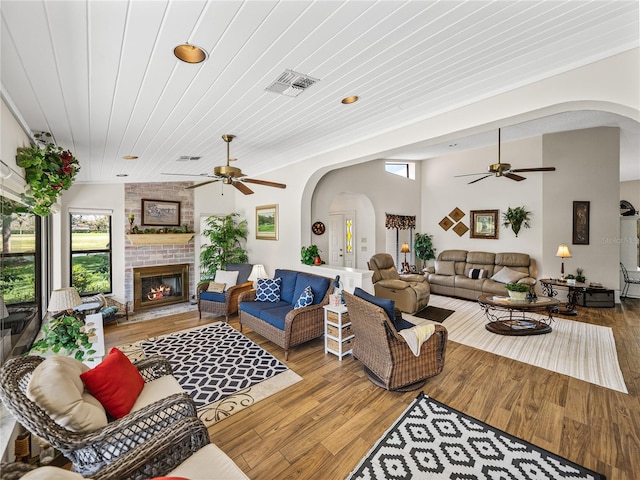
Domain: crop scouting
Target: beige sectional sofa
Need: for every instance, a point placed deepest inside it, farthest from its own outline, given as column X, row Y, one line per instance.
column 453, row 270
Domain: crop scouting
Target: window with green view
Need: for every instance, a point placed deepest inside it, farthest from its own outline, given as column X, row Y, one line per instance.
column 91, row 253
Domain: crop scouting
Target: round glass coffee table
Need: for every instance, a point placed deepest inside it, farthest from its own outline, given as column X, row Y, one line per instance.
column 510, row 317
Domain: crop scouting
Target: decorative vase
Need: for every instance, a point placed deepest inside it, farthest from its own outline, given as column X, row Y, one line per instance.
column 317, row 260
column 517, row 295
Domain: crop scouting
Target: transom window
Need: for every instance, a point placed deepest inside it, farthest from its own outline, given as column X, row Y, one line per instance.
column 402, row 169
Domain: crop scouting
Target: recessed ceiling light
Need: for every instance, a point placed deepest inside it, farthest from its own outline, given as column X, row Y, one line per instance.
column 352, row 99
column 122, row 175
column 130, row 157
column 190, row 53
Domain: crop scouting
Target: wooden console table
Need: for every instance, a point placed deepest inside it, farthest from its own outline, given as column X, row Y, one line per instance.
column 572, row 295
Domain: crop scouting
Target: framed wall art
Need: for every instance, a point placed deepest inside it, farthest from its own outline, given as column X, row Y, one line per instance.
column 160, row 213
column 267, row 222
column 580, row 223
column 484, row 224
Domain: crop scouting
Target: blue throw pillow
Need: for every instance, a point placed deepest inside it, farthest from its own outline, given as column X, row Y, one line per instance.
column 389, row 306
column 305, row 299
column 268, row 290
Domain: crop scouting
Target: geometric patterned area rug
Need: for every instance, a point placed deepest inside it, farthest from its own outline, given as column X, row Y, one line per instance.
column 578, row 349
column 221, row 369
column 433, row 441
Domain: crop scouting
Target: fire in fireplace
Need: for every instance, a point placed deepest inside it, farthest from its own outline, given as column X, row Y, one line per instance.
column 160, row 285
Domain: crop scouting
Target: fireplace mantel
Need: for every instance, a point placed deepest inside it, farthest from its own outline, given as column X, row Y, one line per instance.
column 160, row 238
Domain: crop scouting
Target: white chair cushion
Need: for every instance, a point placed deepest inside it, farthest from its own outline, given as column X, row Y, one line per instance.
column 157, row 390
column 51, row 473
column 507, row 275
column 230, row 278
column 56, row 387
column 208, row 459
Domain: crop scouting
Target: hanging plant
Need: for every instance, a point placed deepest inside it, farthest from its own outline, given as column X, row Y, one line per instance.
column 516, row 218
column 49, row 170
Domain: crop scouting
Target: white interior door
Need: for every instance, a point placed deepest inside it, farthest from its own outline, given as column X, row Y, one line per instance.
column 342, row 235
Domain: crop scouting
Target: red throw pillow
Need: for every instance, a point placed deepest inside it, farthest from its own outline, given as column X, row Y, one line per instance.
column 115, row 382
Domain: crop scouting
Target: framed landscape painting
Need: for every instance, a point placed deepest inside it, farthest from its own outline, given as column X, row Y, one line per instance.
column 267, row 222
column 160, row 213
column 484, row 224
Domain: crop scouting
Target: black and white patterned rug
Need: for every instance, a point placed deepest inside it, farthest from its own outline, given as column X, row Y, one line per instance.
column 219, row 367
column 433, row 441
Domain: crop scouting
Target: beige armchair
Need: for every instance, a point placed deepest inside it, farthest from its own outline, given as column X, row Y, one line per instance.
column 409, row 292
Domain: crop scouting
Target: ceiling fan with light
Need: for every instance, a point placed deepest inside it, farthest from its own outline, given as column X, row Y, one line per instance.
column 504, row 170
column 229, row 175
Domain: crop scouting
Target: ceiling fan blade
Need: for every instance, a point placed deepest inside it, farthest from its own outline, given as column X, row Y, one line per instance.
column 469, row 174
column 513, row 176
column 481, row 178
column 187, row 174
column 264, row 182
column 540, row 169
column 242, row 187
column 201, row 184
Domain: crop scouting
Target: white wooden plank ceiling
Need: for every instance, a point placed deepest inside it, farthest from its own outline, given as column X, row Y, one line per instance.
column 101, row 75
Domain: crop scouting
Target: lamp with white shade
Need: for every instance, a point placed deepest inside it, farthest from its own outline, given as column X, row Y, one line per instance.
column 258, row 271
column 563, row 252
column 66, row 298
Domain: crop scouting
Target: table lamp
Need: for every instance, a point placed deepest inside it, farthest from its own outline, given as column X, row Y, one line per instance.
column 257, row 272
column 405, row 249
column 66, row 298
column 563, row 252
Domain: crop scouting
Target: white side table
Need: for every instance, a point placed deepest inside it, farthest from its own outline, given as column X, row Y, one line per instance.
column 337, row 331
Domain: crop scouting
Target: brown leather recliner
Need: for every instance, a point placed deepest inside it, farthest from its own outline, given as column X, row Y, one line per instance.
column 409, row 292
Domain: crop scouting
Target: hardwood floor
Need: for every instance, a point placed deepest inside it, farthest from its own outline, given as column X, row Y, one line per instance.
column 320, row 428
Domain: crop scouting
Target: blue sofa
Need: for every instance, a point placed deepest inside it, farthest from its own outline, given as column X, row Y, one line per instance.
column 280, row 322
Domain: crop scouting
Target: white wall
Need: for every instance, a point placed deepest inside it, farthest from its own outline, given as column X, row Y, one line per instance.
column 12, row 136
column 630, row 191
column 587, row 163
column 443, row 191
column 388, row 193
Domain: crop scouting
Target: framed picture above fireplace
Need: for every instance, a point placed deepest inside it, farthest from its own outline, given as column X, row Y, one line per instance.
column 160, row 213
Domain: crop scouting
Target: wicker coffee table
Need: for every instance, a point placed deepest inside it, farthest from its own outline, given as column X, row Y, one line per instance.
column 509, row 317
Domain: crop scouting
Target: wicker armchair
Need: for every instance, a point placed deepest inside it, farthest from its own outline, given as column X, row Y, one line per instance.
column 176, row 452
column 225, row 303
column 387, row 359
column 89, row 452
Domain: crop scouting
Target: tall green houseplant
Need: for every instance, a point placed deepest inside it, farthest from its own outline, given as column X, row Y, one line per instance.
column 224, row 233
column 424, row 247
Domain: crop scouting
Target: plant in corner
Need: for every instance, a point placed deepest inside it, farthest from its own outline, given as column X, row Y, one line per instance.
column 66, row 335
column 49, row 169
column 309, row 254
column 224, row 234
column 516, row 218
column 424, row 247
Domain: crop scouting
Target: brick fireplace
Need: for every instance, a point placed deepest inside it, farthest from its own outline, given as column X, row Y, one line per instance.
column 158, row 255
column 159, row 286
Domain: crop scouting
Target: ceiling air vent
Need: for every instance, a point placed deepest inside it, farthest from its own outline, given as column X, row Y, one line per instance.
column 187, row 158
column 291, row 83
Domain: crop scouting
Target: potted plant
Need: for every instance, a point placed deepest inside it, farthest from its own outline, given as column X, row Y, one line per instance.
column 580, row 275
column 310, row 254
column 224, row 233
column 66, row 335
column 48, row 169
column 516, row 218
column 423, row 246
column 518, row 291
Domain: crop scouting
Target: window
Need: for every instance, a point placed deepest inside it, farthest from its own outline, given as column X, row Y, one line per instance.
column 91, row 253
column 402, row 169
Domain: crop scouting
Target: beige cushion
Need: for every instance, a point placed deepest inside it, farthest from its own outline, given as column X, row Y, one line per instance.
column 445, row 267
column 216, row 287
column 208, row 459
column 230, row 278
column 156, row 390
column 507, row 275
column 51, row 473
column 56, row 387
